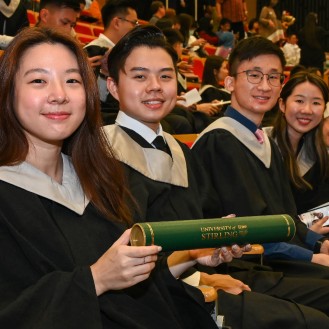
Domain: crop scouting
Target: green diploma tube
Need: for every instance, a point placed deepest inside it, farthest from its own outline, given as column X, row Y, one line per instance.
column 213, row 233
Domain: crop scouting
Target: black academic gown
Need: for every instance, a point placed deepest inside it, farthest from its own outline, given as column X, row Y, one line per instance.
column 246, row 186
column 311, row 198
column 166, row 187
column 13, row 24
column 210, row 93
column 45, row 277
column 159, row 200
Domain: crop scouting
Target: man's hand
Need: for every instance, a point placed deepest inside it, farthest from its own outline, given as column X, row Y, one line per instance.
column 223, row 282
column 95, row 60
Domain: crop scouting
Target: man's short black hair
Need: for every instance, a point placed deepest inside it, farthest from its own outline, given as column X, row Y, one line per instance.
column 252, row 47
column 73, row 4
column 173, row 36
column 113, row 8
column 141, row 36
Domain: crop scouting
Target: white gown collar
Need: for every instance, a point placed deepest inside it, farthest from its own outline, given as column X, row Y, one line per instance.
column 152, row 163
column 69, row 193
column 245, row 136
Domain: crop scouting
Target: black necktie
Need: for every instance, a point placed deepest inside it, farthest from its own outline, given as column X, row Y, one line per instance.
column 160, row 144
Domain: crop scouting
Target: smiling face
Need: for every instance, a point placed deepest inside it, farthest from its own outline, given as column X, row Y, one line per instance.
column 303, row 109
column 50, row 101
column 147, row 88
column 253, row 100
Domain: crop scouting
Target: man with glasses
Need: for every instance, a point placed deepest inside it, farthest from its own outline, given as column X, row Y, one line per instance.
column 119, row 17
column 245, row 166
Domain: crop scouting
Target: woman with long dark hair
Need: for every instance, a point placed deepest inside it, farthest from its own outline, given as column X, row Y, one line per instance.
column 298, row 133
column 214, row 73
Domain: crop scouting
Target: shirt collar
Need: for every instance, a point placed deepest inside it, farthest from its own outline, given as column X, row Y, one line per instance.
column 234, row 114
column 147, row 133
column 105, row 38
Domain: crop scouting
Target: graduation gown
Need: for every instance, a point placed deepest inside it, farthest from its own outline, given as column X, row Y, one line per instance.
column 177, row 183
column 310, row 170
column 309, row 199
column 50, row 235
column 210, row 93
column 319, row 194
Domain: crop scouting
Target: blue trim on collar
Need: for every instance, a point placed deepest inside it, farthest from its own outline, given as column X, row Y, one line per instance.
column 234, row 114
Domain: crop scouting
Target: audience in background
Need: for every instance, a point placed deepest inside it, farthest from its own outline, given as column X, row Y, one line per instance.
column 311, row 38
column 225, row 36
column 119, row 17
column 158, row 10
column 253, row 28
column 236, row 11
column 291, row 50
column 269, row 25
column 58, row 14
column 13, row 17
column 212, row 87
column 194, row 45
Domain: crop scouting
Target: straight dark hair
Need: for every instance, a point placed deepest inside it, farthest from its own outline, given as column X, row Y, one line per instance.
column 141, row 36
column 212, row 63
column 250, row 48
column 100, row 174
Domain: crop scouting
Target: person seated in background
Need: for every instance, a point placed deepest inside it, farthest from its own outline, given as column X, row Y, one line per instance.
column 196, row 117
column 13, row 17
column 72, row 265
column 212, row 87
column 205, row 28
column 226, row 37
column 164, row 23
column 119, row 17
column 291, row 50
column 253, row 28
column 193, row 45
column 158, row 10
column 54, row 14
column 298, row 133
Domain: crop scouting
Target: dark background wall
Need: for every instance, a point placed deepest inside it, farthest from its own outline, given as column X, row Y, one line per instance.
column 299, row 9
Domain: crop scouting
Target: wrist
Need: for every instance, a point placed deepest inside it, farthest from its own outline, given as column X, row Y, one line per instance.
column 204, row 279
column 318, row 245
column 99, row 287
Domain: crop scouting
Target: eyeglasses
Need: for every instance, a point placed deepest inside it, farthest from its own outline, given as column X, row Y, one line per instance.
column 255, row 77
column 133, row 22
